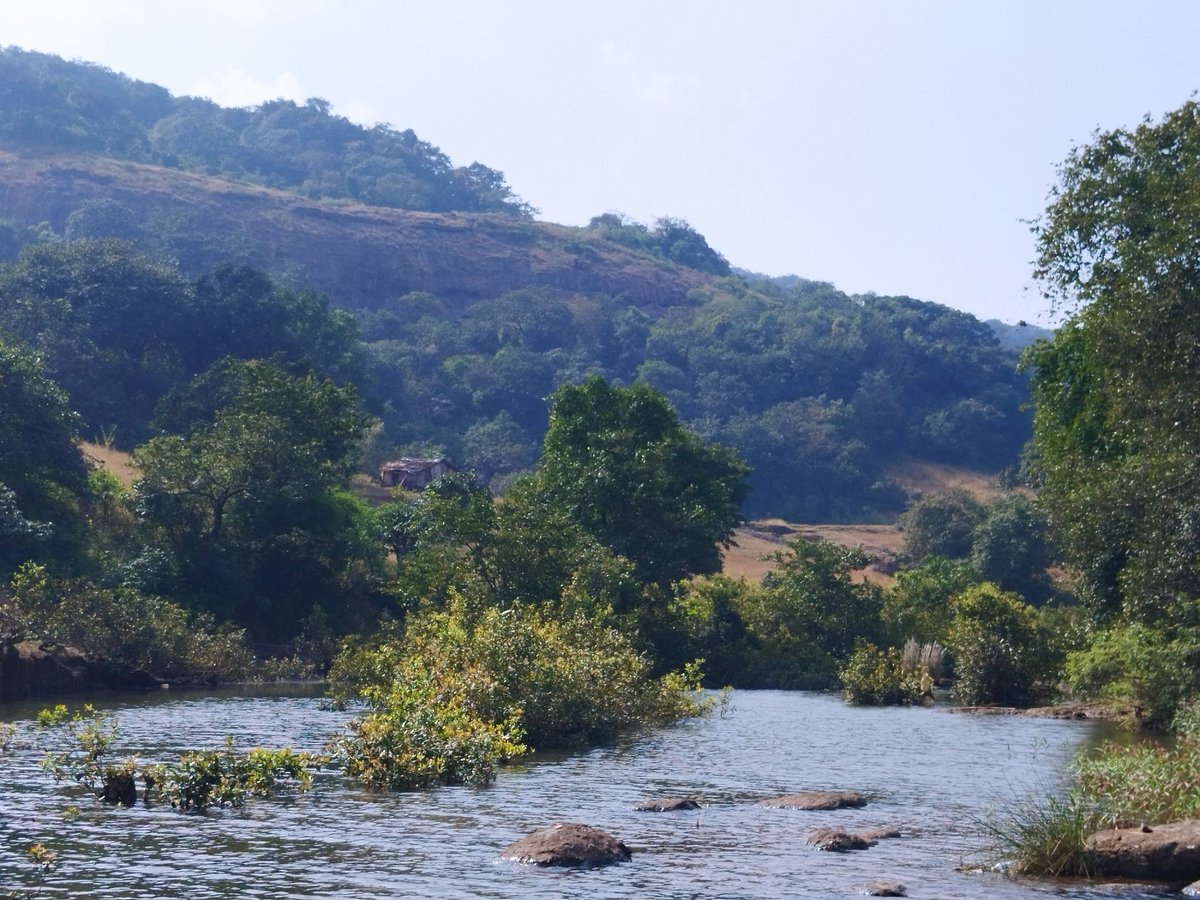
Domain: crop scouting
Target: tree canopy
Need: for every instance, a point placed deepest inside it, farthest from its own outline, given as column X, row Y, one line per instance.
column 1117, row 424
column 621, row 464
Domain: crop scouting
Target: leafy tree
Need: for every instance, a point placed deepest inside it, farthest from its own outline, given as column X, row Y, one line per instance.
column 619, row 461
column 941, row 524
column 917, row 604
column 43, row 478
column 1117, row 422
column 246, row 502
column 1008, row 547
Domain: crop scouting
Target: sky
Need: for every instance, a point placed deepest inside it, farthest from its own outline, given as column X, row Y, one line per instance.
column 893, row 147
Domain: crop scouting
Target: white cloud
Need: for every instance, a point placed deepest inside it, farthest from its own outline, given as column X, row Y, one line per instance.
column 234, row 87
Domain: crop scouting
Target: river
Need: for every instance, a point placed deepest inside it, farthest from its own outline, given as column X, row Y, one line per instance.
column 931, row 773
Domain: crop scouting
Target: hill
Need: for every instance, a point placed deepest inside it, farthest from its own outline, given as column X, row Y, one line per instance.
column 135, row 269
column 358, row 255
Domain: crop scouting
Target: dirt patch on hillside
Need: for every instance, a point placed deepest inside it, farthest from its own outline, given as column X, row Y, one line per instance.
column 935, row 478
column 112, row 461
column 755, row 542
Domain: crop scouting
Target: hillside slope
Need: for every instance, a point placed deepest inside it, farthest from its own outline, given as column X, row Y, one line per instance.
column 358, row 255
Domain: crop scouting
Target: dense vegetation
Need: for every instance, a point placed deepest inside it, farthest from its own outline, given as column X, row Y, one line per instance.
column 48, row 102
column 818, row 391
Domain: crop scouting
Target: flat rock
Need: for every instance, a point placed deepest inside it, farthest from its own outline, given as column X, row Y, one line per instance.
column 817, row 800
column 881, row 834
column 885, row 889
column 836, row 840
column 668, row 804
column 567, row 845
column 1162, row 853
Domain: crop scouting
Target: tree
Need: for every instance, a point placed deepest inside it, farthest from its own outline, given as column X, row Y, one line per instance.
column 247, row 501
column 1117, row 421
column 941, row 525
column 42, row 473
column 1008, row 547
column 641, row 483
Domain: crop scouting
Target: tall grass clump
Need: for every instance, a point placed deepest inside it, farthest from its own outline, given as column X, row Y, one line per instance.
column 1043, row 837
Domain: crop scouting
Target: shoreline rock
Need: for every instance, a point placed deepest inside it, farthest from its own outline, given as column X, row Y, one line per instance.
column 1169, row 852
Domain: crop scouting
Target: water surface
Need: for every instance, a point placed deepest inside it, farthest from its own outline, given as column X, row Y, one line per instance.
column 931, row 773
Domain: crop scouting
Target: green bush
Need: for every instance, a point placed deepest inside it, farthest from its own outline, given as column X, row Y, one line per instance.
column 1152, row 672
column 917, row 604
column 124, row 627
column 877, row 677
column 1000, row 650
column 461, row 691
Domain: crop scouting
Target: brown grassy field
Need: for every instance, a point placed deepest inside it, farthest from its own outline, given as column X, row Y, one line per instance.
column 758, row 540
column 114, row 461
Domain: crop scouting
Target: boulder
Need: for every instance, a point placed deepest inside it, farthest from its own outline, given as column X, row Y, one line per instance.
column 668, row 804
column 838, row 841
column 881, row 834
column 1161, row 853
column 817, row 800
column 885, row 889
column 568, row 845
column 1192, row 890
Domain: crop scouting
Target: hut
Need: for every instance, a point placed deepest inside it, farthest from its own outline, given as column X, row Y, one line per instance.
column 413, row 474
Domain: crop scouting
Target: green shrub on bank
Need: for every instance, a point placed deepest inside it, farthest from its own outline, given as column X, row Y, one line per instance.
column 1151, row 671
column 122, row 626
column 461, row 691
column 1001, row 651
column 879, row 677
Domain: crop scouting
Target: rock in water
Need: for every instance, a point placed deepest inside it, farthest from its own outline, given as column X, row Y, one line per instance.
column 882, row 833
column 568, row 845
column 1161, row 853
column 669, row 804
column 838, row 841
column 817, row 800
column 885, row 889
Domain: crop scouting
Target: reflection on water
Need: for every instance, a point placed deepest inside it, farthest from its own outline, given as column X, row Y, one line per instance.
column 930, row 773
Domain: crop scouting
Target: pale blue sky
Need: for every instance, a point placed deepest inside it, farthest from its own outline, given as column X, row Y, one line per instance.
column 892, row 147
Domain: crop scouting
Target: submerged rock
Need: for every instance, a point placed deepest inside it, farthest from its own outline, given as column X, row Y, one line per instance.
column 568, row 845
column 817, row 800
column 881, row 834
column 836, row 840
column 1161, row 853
column 668, row 804
column 885, row 889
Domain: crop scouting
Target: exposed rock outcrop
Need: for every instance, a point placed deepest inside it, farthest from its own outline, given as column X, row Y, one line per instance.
column 821, row 800
column 836, row 840
column 668, row 804
column 568, row 845
column 1161, row 853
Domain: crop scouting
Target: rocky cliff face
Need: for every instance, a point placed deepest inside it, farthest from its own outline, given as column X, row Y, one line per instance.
column 357, row 255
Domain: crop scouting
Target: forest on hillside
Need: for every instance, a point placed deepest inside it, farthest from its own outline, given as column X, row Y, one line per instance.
column 819, row 392
column 49, row 102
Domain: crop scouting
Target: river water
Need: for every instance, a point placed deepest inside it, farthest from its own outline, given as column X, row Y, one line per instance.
column 931, row 773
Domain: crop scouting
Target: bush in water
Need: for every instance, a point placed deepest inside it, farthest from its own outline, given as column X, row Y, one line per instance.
column 462, row 690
